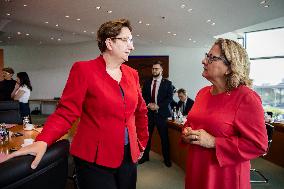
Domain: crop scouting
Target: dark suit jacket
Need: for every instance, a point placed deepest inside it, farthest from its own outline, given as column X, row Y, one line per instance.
column 164, row 98
column 188, row 105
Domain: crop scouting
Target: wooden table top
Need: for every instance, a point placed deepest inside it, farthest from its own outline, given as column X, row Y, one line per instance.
column 16, row 142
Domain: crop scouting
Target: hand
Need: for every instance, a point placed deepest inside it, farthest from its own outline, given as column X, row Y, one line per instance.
column 17, row 85
column 141, row 155
column 153, row 106
column 185, row 134
column 36, row 149
column 198, row 137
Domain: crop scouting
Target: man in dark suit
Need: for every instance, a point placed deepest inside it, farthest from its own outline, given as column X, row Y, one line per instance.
column 158, row 94
column 185, row 103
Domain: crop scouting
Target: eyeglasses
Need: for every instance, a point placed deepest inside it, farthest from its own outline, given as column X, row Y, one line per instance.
column 211, row 59
column 124, row 39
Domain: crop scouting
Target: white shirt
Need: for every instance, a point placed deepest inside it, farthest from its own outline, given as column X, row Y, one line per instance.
column 25, row 97
column 158, row 82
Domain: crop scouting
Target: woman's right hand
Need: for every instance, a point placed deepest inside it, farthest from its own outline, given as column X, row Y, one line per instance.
column 36, row 149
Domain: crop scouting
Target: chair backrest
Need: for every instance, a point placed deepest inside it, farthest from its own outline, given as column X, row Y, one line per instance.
column 10, row 112
column 269, row 130
column 50, row 173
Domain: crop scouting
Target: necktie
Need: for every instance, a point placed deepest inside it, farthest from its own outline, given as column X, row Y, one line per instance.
column 183, row 107
column 153, row 91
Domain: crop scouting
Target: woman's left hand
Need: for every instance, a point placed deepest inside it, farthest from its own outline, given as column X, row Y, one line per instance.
column 201, row 137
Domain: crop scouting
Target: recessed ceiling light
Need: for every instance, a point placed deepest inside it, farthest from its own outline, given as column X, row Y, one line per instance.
column 92, row 32
column 169, row 32
column 266, row 6
column 58, row 39
column 189, row 39
column 194, row 41
column 98, row 8
column 8, row 14
column 57, row 25
column 85, row 31
column 78, row 19
column 137, row 35
column 46, row 22
column 208, row 21
column 109, row 11
column 9, row 37
column 174, row 34
column 25, row 5
column 262, row 2
column 19, row 33
column 140, row 21
column 189, row 10
column 27, row 34
column 52, row 38
column 67, row 16
column 182, row 6
column 213, row 24
column 147, row 24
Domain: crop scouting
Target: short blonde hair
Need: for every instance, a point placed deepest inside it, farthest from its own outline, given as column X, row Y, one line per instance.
column 239, row 63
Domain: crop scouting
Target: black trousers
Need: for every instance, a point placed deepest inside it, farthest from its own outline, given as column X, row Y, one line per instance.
column 24, row 109
column 93, row 176
column 161, row 123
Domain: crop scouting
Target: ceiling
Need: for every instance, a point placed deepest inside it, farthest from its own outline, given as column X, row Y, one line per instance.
column 182, row 23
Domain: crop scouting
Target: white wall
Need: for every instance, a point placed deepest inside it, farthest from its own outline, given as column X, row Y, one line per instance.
column 48, row 66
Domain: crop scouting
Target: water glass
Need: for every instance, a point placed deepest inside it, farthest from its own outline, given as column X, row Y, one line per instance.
column 4, row 134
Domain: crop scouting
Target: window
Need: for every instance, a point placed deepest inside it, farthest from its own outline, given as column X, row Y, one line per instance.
column 266, row 52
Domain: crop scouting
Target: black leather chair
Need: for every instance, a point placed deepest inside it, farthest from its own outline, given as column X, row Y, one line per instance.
column 270, row 130
column 51, row 173
column 10, row 112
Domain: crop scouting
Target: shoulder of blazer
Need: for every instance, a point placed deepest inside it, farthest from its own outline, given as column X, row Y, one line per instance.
column 166, row 81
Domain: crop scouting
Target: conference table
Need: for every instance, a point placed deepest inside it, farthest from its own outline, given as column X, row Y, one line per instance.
column 15, row 142
column 178, row 153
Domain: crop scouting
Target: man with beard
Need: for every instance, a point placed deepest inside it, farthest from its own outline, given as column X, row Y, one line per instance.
column 7, row 85
column 158, row 94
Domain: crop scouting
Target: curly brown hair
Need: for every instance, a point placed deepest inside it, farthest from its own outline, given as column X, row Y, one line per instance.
column 239, row 63
column 110, row 29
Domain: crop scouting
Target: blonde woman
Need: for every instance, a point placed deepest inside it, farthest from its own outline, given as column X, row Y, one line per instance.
column 225, row 127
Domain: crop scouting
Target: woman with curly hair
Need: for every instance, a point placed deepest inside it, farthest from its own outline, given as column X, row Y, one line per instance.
column 22, row 93
column 225, row 127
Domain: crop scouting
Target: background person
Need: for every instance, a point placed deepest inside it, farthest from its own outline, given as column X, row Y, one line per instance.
column 185, row 103
column 112, row 132
column 7, row 85
column 158, row 94
column 22, row 93
column 225, row 127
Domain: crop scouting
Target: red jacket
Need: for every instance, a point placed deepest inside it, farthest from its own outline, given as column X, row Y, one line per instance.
column 91, row 94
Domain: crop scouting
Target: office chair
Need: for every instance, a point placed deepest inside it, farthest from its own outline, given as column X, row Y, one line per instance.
column 10, row 112
column 270, row 130
column 51, row 172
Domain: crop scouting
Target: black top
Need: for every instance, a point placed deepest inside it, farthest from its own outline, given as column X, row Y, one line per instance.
column 6, row 88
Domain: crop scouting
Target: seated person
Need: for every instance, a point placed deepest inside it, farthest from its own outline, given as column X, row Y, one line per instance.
column 7, row 85
column 185, row 103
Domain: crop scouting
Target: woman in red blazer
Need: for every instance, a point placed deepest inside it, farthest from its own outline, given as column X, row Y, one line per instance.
column 112, row 132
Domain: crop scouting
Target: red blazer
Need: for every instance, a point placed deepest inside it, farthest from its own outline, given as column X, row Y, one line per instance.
column 91, row 94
